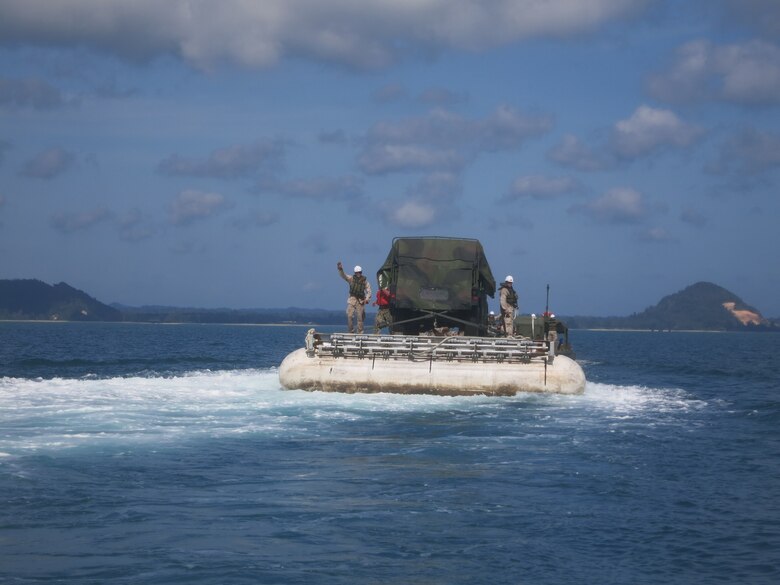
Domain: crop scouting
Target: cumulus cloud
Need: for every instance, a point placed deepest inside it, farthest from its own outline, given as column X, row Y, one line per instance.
column 509, row 220
column 227, row 163
column 746, row 73
column 444, row 140
column 572, row 152
column 762, row 15
column 412, row 214
column 356, row 33
column 74, row 222
column 693, row 217
column 656, row 235
column 392, row 92
column 749, row 151
column 134, row 226
column 541, row 187
column 48, row 164
column 441, row 97
column 649, row 130
column 316, row 243
column 379, row 159
column 333, row 137
column 317, row 189
column 30, row 93
column 646, row 132
column 617, row 206
column 256, row 219
column 431, row 200
column 189, row 206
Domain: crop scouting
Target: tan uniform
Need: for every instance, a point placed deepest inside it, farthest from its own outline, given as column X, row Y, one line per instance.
column 507, row 313
column 356, row 307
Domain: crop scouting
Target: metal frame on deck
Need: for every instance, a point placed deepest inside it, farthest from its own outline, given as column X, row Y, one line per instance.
column 429, row 348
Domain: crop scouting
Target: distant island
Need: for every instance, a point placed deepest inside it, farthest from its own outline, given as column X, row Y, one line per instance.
column 703, row 306
column 34, row 300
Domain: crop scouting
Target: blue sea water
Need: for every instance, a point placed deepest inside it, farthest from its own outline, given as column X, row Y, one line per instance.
column 155, row 454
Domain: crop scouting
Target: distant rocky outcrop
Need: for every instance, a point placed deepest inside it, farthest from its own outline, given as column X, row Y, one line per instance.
column 701, row 306
column 36, row 300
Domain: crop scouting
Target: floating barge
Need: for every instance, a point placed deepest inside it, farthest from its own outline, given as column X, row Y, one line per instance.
column 421, row 364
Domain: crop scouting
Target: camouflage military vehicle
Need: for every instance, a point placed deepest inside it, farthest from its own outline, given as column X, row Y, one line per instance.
column 437, row 283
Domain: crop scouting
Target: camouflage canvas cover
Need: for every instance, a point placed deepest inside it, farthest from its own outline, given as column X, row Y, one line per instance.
column 436, row 274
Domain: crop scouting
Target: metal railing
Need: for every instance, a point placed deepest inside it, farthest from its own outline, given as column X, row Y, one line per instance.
column 428, row 348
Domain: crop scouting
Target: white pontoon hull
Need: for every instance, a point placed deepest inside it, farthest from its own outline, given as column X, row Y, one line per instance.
column 301, row 371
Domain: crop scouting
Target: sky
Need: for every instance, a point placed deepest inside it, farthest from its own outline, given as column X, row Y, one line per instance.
column 229, row 153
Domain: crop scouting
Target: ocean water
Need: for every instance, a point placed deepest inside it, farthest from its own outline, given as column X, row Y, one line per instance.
column 155, row 454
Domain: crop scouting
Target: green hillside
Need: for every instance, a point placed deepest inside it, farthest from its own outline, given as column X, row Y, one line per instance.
column 33, row 299
column 697, row 307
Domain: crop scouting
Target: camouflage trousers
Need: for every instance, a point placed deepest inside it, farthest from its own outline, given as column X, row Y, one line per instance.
column 383, row 319
column 355, row 308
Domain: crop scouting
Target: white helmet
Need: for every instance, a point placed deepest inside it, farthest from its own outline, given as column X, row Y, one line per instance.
column 358, row 269
column 492, row 312
column 509, row 279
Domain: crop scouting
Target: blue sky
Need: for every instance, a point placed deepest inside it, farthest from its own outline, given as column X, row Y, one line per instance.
column 228, row 154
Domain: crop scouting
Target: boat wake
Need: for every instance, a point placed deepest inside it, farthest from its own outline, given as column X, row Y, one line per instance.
column 54, row 414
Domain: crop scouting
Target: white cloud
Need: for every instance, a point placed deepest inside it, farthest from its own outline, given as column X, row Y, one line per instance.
column 73, row 222
column 746, row 73
column 190, row 205
column 646, row 132
column 48, row 164
column 509, row 221
column 763, row 15
column 749, row 151
column 319, row 188
column 540, row 187
column 693, row 217
column 616, row 206
column 433, row 199
column 358, row 33
column 33, row 93
column 656, row 235
column 388, row 158
column 226, row 163
column 134, row 226
column 444, row 140
column 389, row 93
column 412, row 214
column 649, row 130
column 258, row 218
column 572, row 152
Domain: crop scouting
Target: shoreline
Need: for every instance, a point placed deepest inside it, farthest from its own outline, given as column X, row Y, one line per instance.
column 598, row 329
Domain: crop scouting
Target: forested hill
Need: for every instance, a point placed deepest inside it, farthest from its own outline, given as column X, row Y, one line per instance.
column 701, row 306
column 33, row 299
column 37, row 300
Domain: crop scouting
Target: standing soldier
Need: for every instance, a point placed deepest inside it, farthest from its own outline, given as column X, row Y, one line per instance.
column 359, row 297
column 383, row 316
column 508, row 305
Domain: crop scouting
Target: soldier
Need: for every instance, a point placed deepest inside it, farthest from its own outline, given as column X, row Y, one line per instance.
column 359, row 296
column 383, row 316
column 508, row 305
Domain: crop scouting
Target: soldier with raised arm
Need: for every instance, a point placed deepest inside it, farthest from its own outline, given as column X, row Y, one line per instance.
column 359, row 297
